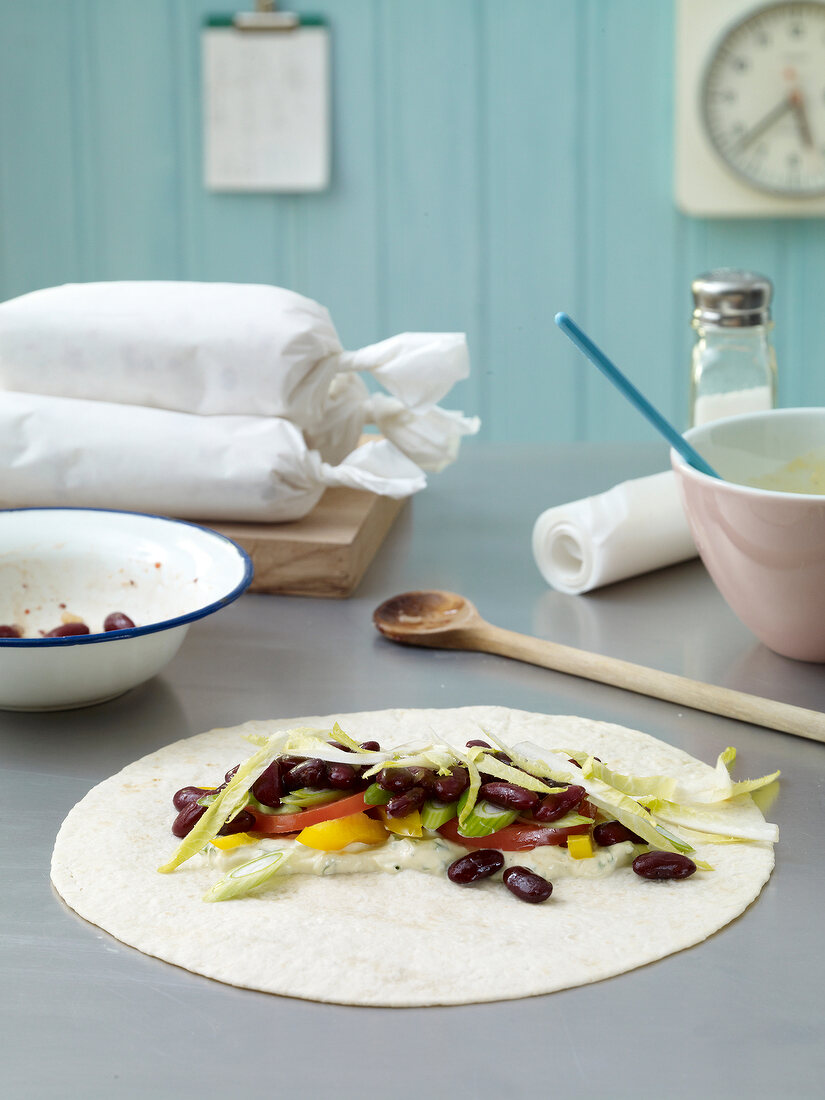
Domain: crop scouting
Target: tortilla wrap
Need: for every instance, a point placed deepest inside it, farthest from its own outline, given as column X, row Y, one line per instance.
column 391, row 939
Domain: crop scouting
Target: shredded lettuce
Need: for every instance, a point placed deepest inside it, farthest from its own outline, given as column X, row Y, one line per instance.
column 647, row 805
column 471, row 792
column 711, row 821
column 720, row 788
column 345, row 739
column 441, row 758
column 227, row 802
column 509, row 774
column 637, row 786
column 314, row 744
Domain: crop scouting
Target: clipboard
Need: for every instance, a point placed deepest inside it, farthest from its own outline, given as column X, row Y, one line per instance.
column 266, row 97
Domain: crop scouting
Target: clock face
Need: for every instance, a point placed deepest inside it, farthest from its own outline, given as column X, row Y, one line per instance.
column 763, row 99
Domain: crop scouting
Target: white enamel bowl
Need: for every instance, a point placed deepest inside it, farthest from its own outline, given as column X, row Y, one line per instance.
column 59, row 563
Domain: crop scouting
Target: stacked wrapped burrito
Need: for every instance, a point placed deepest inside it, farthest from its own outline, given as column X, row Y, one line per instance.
column 212, row 401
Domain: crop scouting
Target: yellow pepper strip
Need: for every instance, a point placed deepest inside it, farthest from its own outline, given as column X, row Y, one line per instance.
column 403, row 826
column 330, row 836
column 233, row 841
column 580, row 846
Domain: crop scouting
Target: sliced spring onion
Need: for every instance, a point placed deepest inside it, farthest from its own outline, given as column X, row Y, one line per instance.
column 246, row 878
column 376, row 796
column 484, row 818
column 434, row 814
column 305, row 796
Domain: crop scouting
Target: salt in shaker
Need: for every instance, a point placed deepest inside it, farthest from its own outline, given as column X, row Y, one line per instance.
column 733, row 365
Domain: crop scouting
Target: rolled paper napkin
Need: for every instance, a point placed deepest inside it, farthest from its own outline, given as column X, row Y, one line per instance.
column 633, row 528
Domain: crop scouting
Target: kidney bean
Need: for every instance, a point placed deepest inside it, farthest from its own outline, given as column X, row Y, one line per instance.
column 663, row 865
column 613, row 832
column 401, row 779
column 554, row 806
column 239, row 824
column 186, row 819
column 370, row 746
column 7, row 631
column 474, row 866
column 269, row 785
column 342, row 777
column 230, row 775
column 186, row 795
column 508, row 795
column 338, row 745
column 527, row 885
column 116, row 620
column 310, row 773
column 404, row 803
column 68, row 630
column 449, row 788
column 478, row 744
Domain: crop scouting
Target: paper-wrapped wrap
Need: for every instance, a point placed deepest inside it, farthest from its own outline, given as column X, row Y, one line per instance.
column 212, row 401
column 633, row 528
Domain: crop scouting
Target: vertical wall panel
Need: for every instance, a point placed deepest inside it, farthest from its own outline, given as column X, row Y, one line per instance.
column 492, row 164
column 129, row 133
column 224, row 236
column 630, row 235
column 431, row 253
column 800, row 316
column 38, row 223
column 531, row 264
column 335, row 233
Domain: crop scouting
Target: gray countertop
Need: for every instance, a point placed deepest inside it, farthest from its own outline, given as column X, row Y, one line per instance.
column 739, row 1015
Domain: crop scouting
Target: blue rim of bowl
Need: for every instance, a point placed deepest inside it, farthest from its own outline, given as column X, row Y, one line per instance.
column 152, row 628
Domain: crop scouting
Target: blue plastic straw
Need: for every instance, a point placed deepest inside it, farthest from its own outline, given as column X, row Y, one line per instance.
column 611, row 371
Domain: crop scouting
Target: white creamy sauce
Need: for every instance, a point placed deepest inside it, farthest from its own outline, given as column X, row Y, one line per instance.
column 430, row 856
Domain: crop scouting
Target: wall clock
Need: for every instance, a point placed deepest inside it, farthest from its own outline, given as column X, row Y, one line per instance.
column 750, row 108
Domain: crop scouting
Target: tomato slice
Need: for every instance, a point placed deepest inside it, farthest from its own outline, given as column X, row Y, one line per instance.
column 512, row 838
column 291, row 823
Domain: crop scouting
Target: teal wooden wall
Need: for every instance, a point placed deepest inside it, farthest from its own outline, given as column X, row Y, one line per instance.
column 493, row 163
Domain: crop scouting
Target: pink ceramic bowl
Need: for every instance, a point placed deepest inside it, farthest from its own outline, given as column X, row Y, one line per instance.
column 763, row 547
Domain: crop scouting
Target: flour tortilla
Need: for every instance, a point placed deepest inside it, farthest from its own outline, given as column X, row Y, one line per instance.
column 380, row 939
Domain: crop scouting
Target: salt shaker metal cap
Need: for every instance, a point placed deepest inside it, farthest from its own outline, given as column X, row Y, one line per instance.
column 731, row 298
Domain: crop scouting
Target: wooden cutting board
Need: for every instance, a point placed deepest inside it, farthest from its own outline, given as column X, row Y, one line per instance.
column 324, row 554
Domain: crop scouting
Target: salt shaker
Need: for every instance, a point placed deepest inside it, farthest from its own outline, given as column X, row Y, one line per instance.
column 733, row 366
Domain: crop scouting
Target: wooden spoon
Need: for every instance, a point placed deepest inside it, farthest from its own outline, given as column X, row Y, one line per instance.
column 444, row 620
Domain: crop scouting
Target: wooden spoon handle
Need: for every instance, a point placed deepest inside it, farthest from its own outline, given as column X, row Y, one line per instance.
column 647, row 681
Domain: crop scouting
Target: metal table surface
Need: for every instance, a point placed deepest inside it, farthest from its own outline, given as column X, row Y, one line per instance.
column 737, row 1015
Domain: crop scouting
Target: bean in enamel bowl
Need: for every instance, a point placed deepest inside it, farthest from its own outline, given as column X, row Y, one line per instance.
column 162, row 574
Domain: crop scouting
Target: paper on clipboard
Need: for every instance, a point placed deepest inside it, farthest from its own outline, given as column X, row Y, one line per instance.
column 266, row 108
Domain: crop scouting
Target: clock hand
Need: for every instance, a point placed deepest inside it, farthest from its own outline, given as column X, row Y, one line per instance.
column 765, row 123
column 802, row 117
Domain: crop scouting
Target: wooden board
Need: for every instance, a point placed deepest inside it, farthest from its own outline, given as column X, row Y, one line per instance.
column 324, row 554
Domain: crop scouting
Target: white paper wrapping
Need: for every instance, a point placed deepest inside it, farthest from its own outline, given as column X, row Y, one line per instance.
column 97, row 454
column 212, row 401
column 633, row 528
column 214, row 349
